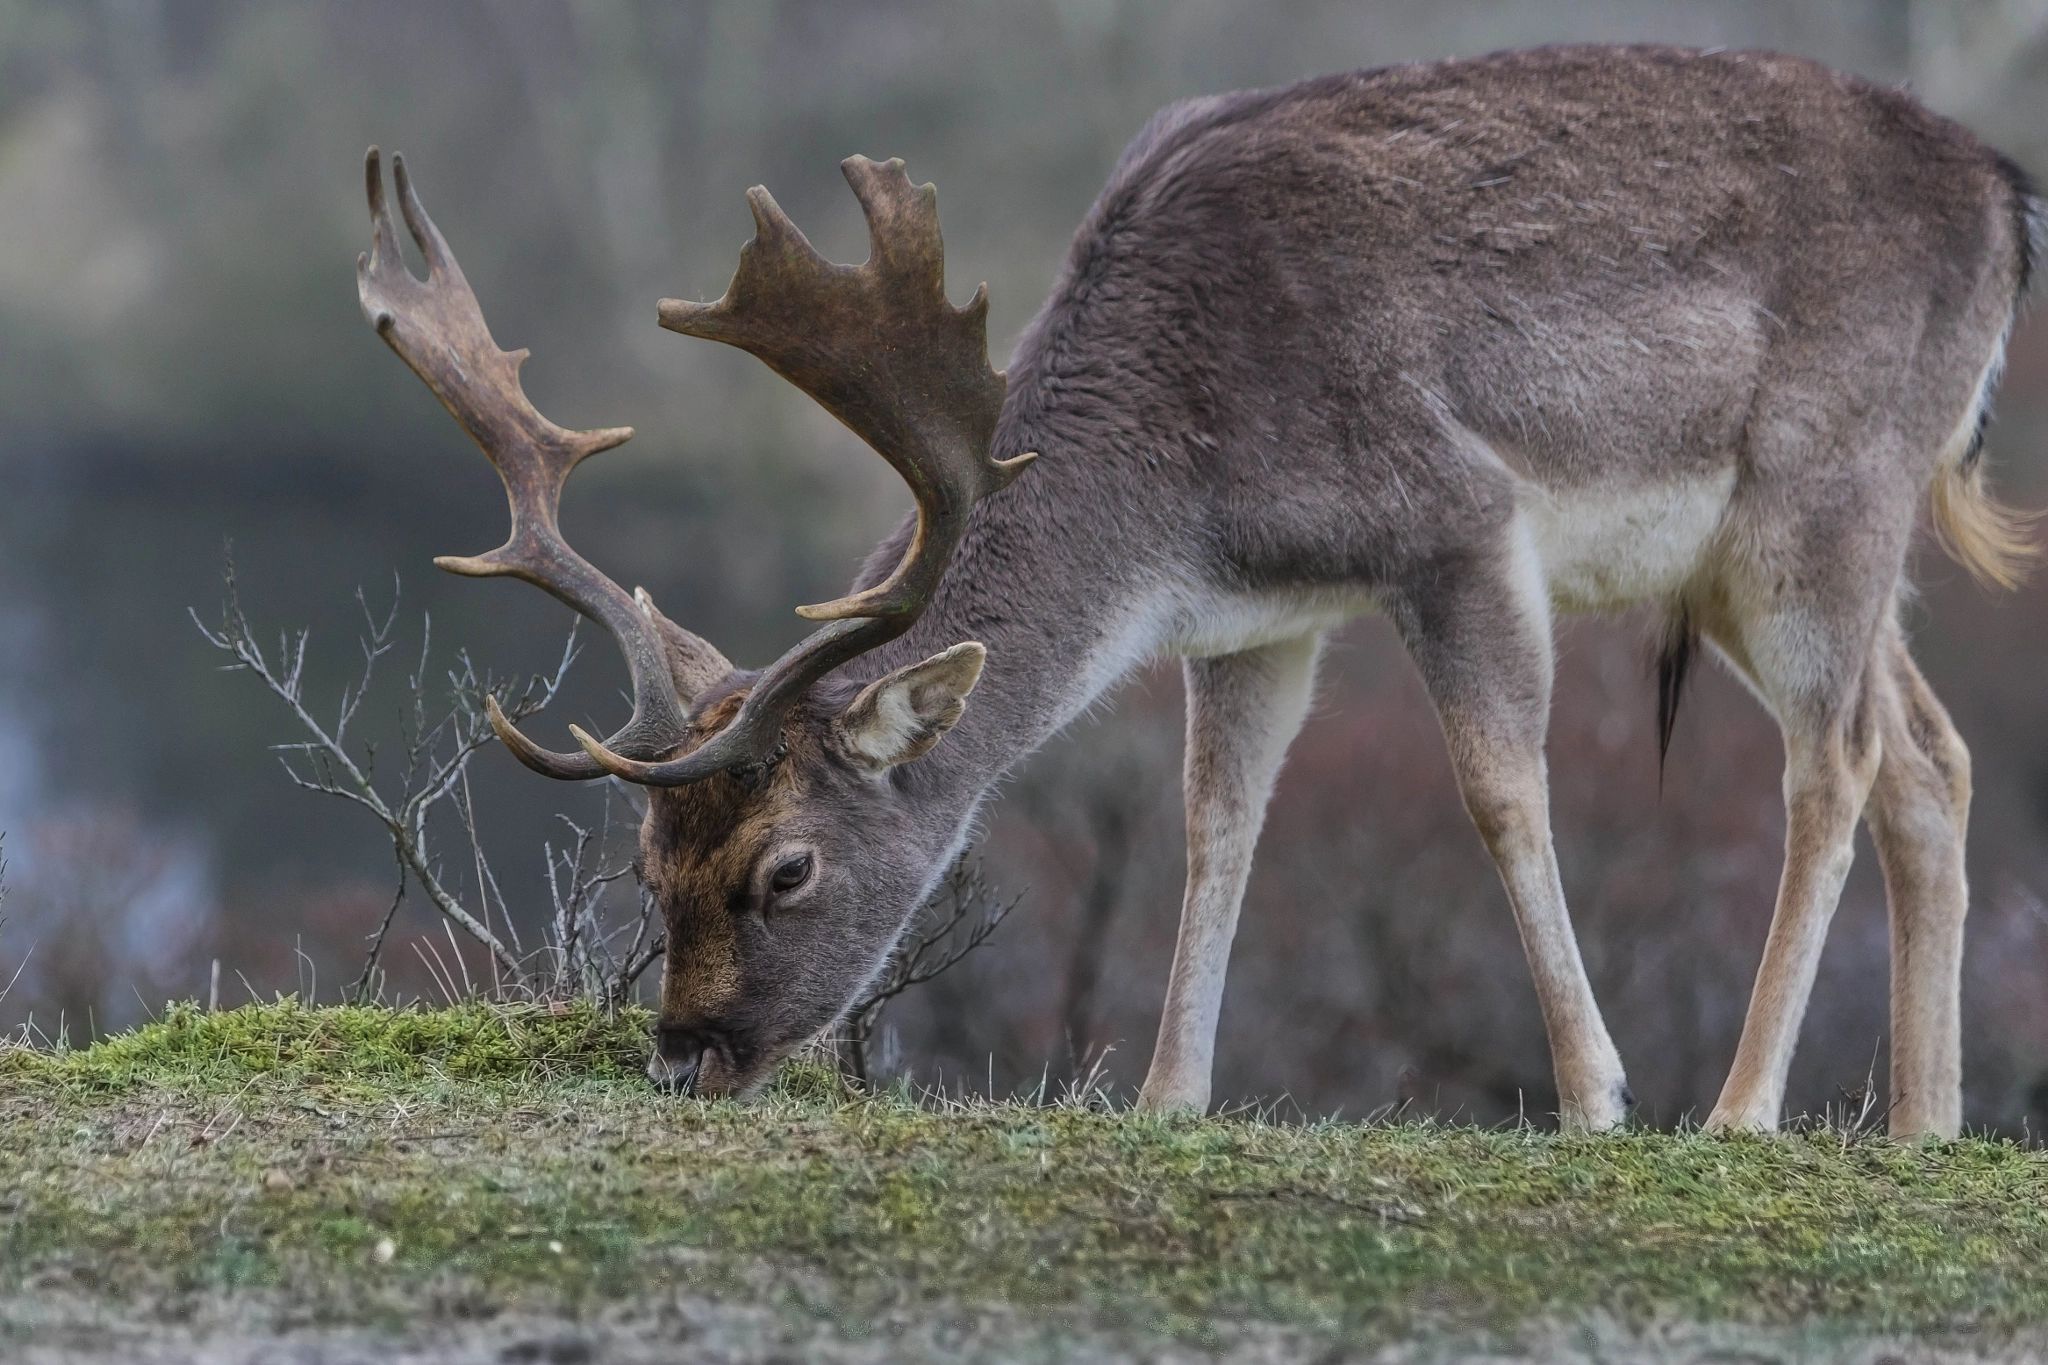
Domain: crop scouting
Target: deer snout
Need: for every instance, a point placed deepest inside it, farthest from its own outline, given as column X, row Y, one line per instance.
column 678, row 1054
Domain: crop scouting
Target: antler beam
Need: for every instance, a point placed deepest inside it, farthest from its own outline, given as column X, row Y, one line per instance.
column 880, row 348
column 437, row 327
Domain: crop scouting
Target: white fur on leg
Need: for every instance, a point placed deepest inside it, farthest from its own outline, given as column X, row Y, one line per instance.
column 1243, row 711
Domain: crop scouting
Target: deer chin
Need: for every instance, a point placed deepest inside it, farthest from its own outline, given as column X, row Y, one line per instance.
column 716, row 1073
column 721, row 1078
column 670, row 1076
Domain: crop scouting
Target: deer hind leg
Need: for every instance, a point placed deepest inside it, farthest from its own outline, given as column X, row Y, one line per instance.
column 1812, row 668
column 1919, row 808
column 1481, row 638
column 1242, row 712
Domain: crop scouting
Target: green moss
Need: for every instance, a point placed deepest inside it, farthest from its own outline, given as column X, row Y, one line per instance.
column 363, row 1045
column 519, row 1151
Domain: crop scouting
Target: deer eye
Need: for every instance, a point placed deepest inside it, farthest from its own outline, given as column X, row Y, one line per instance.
column 790, row 873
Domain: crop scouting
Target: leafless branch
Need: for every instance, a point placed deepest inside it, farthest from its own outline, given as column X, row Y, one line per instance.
column 580, row 953
column 363, row 989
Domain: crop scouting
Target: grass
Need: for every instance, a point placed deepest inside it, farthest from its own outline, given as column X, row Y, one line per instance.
column 354, row 1161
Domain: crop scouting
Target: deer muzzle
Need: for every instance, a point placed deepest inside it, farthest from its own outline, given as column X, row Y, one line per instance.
column 678, row 1058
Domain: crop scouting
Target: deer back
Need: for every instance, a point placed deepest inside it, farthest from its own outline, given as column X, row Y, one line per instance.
column 1326, row 334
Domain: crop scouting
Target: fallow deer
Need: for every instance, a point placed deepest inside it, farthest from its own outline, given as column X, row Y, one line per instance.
column 1467, row 344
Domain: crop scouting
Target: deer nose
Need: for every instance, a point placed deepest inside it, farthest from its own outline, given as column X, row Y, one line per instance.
column 677, row 1052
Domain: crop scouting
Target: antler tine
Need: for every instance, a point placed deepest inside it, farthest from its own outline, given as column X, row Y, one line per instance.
column 882, row 350
column 437, row 327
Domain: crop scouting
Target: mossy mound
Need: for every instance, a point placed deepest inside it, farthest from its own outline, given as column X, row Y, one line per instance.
column 191, row 1047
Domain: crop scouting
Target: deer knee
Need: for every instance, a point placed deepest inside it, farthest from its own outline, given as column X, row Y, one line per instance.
column 1942, row 751
column 1926, row 763
column 1505, row 812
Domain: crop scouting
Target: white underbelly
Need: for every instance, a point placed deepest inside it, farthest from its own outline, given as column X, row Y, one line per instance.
column 1594, row 550
column 1209, row 625
column 1601, row 548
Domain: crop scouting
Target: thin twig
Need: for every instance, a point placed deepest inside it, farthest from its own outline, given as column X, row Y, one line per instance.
column 359, row 990
column 924, row 953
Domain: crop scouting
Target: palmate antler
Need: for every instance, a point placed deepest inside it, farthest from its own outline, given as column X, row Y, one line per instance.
column 877, row 344
column 437, row 327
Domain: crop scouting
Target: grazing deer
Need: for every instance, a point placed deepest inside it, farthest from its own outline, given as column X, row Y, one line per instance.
column 1464, row 343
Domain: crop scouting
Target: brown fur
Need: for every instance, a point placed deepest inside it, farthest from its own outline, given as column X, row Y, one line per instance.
column 752, row 973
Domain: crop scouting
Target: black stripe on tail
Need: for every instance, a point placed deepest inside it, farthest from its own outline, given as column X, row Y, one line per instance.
column 2030, row 221
column 1976, row 450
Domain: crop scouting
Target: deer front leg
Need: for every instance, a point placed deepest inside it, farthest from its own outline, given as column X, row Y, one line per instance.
column 1480, row 635
column 1242, row 712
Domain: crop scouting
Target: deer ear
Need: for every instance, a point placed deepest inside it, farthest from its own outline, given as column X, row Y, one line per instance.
column 693, row 660
column 901, row 716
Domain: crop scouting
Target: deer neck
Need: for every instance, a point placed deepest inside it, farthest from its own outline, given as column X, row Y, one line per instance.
column 1060, row 605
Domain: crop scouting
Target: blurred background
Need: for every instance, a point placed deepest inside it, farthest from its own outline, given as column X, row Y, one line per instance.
column 183, row 364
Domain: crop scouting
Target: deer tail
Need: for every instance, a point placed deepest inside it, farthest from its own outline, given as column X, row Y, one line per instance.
column 1994, row 542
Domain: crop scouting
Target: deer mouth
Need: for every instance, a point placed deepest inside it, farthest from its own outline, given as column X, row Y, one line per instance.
column 706, row 1065
column 673, row 1076
column 677, row 1066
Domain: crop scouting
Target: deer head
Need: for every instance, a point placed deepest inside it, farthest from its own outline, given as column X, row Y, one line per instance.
column 784, row 850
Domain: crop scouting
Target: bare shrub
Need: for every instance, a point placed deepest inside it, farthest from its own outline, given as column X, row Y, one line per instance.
column 582, row 951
